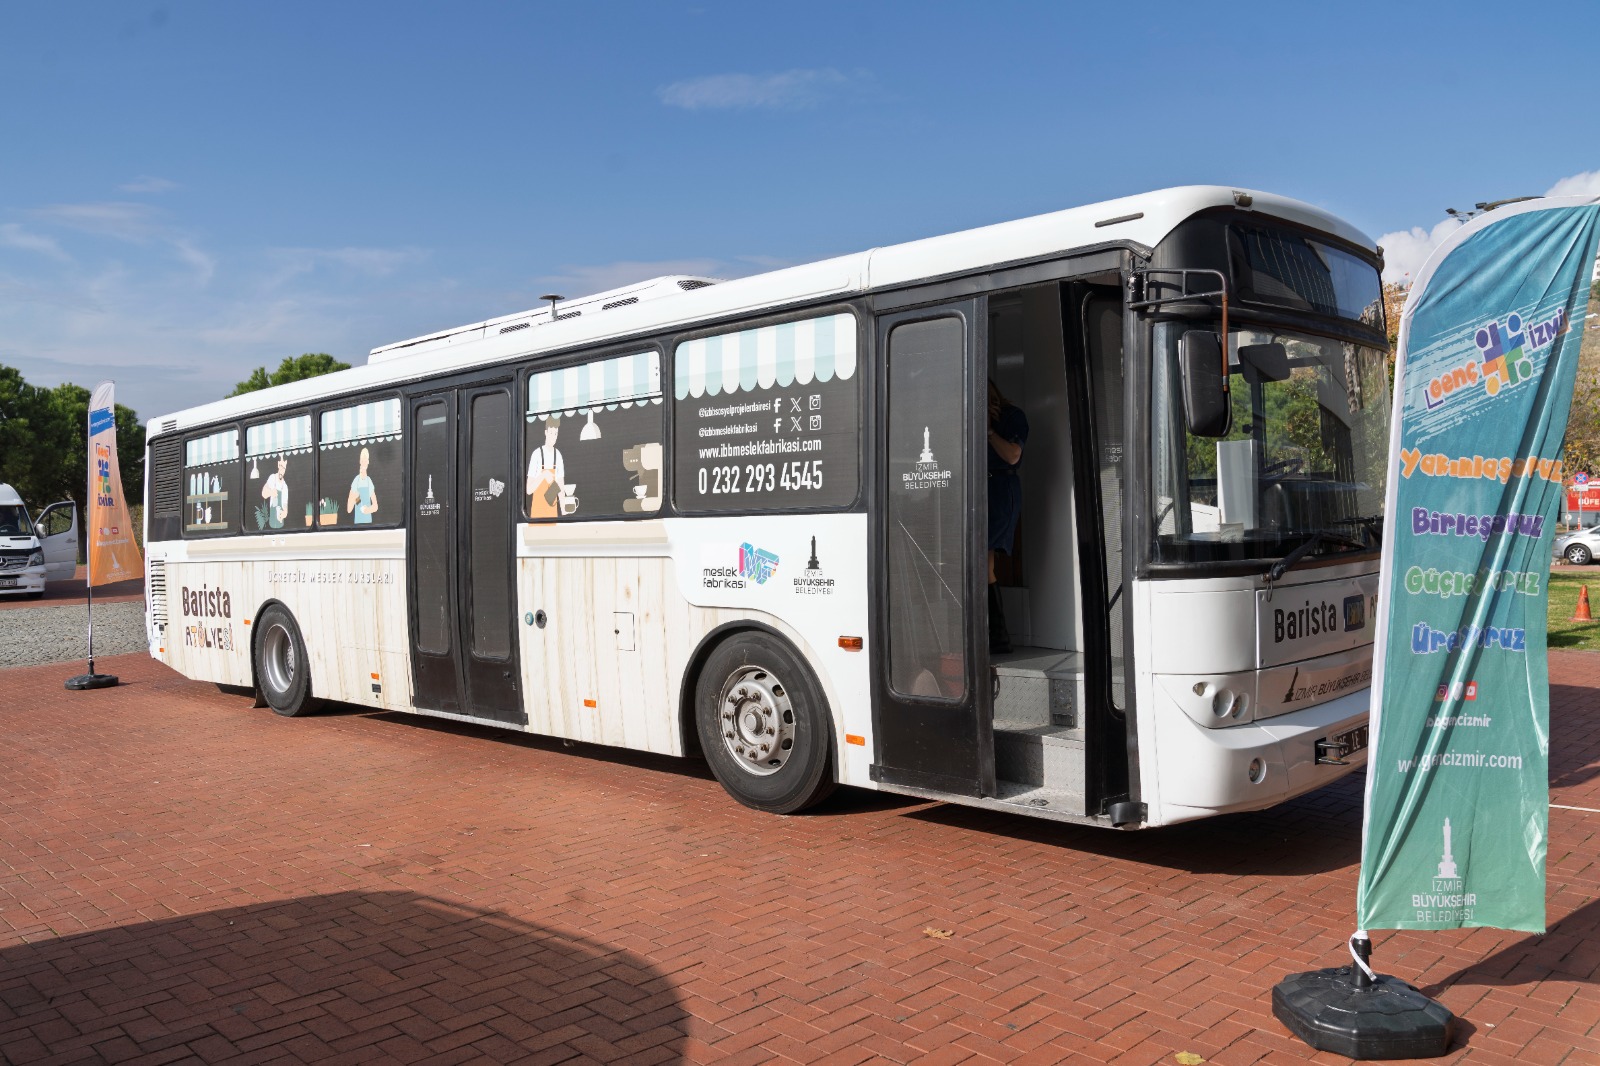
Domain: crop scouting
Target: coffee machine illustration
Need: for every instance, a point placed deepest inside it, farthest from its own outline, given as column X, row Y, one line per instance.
column 644, row 462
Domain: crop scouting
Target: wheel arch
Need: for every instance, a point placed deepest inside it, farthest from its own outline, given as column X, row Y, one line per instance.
column 689, row 736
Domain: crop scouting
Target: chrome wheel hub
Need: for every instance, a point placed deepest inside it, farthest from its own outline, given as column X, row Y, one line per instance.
column 277, row 659
column 757, row 720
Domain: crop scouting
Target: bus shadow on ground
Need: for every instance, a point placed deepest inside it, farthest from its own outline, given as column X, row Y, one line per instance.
column 1570, row 951
column 1312, row 834
column 844, row 801
column 402, row 975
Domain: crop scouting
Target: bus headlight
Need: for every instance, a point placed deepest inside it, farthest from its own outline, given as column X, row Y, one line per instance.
column 1257, row 771
column 1224, row 703
column 36, row 559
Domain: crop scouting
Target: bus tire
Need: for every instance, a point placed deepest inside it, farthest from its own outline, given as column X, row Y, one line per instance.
column 764, row 725
column 283, row 675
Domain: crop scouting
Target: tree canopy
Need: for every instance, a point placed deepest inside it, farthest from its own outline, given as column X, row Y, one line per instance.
column 44, row 442
column 293, row 368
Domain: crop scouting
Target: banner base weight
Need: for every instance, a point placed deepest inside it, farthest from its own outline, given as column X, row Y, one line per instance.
column 1386, row 1019
column 83, row 681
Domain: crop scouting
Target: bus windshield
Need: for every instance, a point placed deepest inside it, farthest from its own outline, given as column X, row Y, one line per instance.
column 1305, row 457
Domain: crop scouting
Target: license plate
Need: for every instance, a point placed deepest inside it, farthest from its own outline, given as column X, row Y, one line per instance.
column 8, row 582
column 1335, row 749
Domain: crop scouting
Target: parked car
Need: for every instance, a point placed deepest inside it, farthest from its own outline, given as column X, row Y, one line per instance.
column 1580, row 547
column 33, row 552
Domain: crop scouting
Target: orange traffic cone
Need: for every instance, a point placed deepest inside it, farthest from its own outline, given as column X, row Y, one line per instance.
column 1582, row 613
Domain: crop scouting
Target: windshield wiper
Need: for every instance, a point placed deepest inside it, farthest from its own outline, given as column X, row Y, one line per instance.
column 1311, row 544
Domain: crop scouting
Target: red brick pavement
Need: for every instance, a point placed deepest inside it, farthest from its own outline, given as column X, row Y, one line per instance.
column 184, row 878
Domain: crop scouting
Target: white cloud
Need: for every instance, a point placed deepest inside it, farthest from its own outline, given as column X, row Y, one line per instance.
column 790, row 90
column 146, row 183
column 1404, row 251
column 370, row 262
column 14, row 236
column 1585, row 184
column 124, row 221
column 133, row 223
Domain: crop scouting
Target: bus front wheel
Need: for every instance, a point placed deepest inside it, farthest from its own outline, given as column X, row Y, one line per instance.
column 763, row 725
column 283, row 675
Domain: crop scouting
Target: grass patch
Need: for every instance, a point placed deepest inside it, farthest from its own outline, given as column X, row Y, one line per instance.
column 1564, row 633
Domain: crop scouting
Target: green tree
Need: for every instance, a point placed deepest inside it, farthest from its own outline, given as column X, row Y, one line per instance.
column 295, row 368
column 28, row 450
column 44, row 442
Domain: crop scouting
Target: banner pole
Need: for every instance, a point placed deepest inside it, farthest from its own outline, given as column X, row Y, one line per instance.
column 90, row 679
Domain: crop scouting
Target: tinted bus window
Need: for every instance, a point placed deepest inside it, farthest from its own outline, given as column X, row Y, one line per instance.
column 211, row 484
column 592, row 448
column 280, row 478
column 768, row 418
column 360, row 466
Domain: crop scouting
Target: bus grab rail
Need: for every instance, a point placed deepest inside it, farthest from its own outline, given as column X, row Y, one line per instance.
column 1137, row 302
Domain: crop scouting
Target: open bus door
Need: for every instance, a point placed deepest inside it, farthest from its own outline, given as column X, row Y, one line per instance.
column 932, row 714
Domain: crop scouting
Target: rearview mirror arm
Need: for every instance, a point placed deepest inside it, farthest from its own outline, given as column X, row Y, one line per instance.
column 1138, row 302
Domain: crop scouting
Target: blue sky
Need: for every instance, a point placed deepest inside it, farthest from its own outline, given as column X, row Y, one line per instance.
column 191, row 190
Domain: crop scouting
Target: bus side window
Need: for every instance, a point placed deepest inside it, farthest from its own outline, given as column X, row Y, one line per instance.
column 592, row 442
column 211, row 484
column 279, row 474
column 360, row 468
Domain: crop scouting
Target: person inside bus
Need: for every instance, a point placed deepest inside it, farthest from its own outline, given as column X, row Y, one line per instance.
column 1008, row 432
column 363, row 501
column 547, row 475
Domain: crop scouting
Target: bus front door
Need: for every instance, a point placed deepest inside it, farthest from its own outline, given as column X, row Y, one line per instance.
column 460, row 555
column 932, row 718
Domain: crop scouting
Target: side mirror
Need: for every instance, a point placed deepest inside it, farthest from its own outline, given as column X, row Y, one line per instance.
column 1206, row 405
column 1265, row 362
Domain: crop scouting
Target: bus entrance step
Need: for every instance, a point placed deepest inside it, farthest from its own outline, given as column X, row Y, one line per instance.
column 1036, row 687
column 1032, row 799
column 1039, row 757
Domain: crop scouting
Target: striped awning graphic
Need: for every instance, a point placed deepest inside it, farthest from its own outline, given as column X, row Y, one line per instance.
column 379, row 420
column 218, row 448
column 285, row 436
column 814, row 349
column 607, row 384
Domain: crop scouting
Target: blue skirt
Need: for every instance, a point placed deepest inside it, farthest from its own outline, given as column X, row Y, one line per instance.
column 1005, row 508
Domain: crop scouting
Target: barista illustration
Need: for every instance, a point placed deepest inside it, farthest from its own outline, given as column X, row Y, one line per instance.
column 363, row 500
column 275, row 490
column 547, row 488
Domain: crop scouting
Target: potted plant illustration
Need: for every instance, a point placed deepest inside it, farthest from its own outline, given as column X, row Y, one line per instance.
column 327, row 512
column 309, row 508
column 261, row 513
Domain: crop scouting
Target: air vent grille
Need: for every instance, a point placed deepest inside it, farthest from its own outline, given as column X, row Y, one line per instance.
column 167, row 482
column 515, row 326
column 169, row 425
column 156, row 589
column 569, row 314
column 619, row 303
column 689, row 284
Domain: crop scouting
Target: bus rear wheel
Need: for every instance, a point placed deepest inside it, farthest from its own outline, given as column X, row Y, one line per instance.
column 283, row 674
column 764, row 726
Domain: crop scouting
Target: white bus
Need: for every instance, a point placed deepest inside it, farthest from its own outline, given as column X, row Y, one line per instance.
column 748, row 519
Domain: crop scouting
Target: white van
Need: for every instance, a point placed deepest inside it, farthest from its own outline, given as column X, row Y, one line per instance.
column 32, row 553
